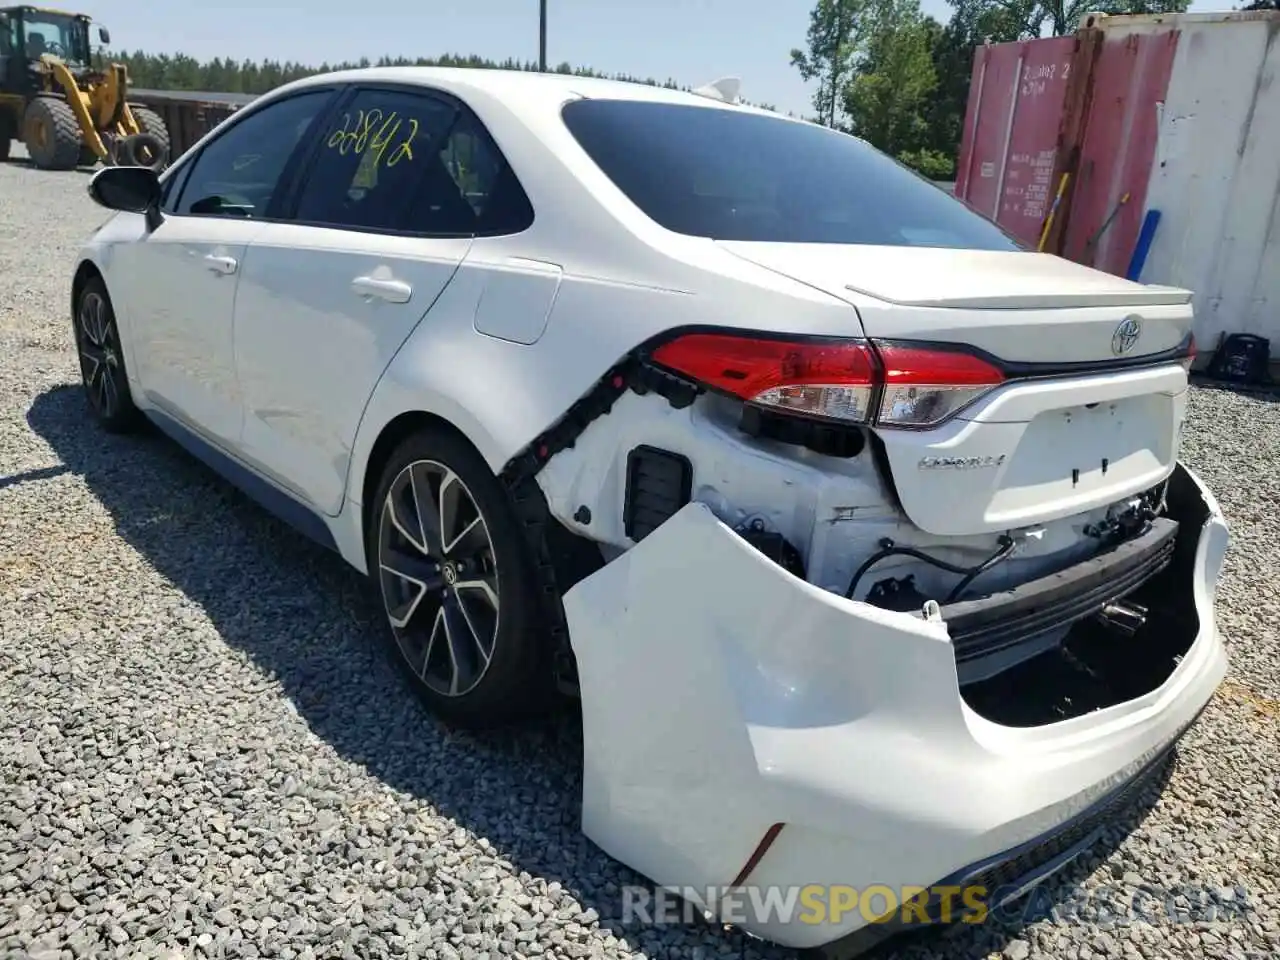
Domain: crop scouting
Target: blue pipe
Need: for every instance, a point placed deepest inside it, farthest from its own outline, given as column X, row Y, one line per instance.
column 1140, row 249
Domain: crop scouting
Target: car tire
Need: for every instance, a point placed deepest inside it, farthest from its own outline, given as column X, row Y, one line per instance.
column 102, row 365
column 461, row 611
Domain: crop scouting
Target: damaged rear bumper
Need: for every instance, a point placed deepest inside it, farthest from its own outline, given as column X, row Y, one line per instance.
column 980, row 628
column 722, row 697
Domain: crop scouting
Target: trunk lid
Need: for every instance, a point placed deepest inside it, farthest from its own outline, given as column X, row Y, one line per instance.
column 937, row 277
column 1076, row 425
column 1036, row 451
column 1020, row 307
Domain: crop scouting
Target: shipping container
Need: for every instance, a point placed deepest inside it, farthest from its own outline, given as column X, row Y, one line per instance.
column 189, row 115
column 1167, row 122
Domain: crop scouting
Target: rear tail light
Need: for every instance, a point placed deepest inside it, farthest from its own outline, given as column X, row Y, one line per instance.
column 834, row 379
column 855, row 381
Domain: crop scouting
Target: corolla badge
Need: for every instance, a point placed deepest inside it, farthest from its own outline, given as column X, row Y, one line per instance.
column 961, row 463
column 1126, row 335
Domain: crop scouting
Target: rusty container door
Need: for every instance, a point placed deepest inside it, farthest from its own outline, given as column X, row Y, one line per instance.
column 1130, row 79
column 1009, row 151
column 187, row 117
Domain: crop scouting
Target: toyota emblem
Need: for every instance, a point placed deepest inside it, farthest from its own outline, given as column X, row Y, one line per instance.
column 1126, row 335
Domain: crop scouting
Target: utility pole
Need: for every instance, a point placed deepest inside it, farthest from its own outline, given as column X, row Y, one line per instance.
column 542, row 35
column 835, row 63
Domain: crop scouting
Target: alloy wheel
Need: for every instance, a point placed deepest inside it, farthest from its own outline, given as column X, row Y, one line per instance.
column 99, row 354
column 439, row 577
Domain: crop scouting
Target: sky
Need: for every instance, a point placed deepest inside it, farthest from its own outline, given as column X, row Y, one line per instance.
column 691, row 41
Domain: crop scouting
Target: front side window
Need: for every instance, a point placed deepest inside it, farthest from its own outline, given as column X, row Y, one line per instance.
column 238, row 173
column 174, row 180
column 734, row 175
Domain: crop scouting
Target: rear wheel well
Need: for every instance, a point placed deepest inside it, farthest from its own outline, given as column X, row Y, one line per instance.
column 400, row 427
column 87, row 271
column 560, row 556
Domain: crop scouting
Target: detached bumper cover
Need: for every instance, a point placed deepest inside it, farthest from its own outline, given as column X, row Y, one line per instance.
column 721, row 696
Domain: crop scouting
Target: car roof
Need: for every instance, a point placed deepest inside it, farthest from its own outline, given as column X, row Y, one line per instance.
column 505, row 84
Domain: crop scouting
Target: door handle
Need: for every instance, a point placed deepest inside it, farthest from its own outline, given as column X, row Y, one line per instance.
column 393, row 291
column 222, row 265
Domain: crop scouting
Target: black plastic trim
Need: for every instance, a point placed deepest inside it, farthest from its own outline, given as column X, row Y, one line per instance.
column 635, row 526
column 675, row 333
column 1017, row 370
column 561, row 435
column 542, row 538
column 1006, row 619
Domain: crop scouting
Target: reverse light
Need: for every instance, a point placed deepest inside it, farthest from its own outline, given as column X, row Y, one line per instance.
column 923, row 387
column 854, row 381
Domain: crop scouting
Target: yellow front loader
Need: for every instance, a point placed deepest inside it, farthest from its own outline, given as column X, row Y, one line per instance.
column 64, row 110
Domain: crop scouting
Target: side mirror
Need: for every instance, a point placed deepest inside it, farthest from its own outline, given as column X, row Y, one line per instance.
column 104, row 35
column 131, row 189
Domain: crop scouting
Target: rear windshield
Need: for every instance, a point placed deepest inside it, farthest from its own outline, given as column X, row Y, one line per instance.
column 729, row 175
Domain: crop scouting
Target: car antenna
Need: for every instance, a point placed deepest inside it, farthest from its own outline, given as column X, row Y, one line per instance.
column 726, row 89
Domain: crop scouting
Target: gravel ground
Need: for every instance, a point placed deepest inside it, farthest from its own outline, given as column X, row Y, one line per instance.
column 203, row 753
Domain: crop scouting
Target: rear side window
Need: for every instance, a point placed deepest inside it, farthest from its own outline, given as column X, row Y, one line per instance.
column 734, row 175
column 375, row 157
column 404, row 161
column 485, row 179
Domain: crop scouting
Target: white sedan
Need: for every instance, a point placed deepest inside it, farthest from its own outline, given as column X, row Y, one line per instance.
column 858, row 529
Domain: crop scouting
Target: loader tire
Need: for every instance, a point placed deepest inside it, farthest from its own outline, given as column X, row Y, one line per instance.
column 142, row 150
column 87, row 157
column 4, row 145
column 52, row 134
column 151, row 122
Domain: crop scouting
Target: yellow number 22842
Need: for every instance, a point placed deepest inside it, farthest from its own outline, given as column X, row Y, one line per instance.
column 375, row 133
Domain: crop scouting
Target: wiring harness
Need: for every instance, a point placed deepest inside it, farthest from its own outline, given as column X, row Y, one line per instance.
column 967, row 574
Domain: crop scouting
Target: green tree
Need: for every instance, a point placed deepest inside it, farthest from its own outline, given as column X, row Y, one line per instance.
column 972, row 23
column 164, row 71
column 833, row 44
column 1035, row 18
column 893, row 80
